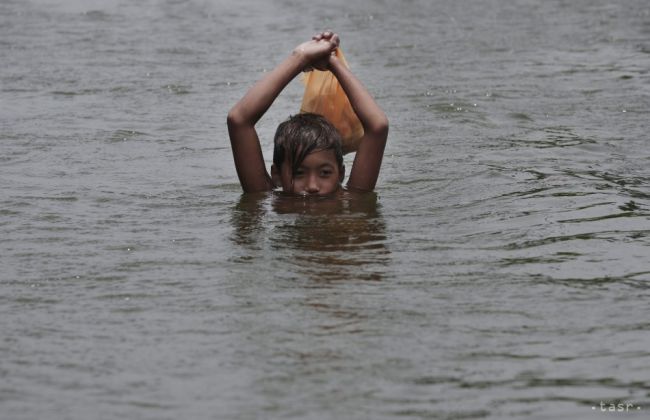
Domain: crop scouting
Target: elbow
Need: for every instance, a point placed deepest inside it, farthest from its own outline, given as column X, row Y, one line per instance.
column 239, row 116
column 379, row 126
column 235, row 118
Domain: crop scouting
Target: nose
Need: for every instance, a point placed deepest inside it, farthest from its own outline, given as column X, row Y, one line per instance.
column 312, row 186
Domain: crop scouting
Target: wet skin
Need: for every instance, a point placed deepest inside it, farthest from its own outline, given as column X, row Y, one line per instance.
column 318, row 174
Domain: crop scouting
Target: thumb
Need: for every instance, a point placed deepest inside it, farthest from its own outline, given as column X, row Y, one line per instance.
column 335, row 40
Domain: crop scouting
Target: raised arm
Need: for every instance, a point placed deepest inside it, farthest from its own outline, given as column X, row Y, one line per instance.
column 367, row 160
column 242, row 118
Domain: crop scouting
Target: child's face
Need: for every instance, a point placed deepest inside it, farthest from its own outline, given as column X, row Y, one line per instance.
column 318, row 174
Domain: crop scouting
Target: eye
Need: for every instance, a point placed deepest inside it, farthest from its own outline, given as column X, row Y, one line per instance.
column 326, row 172
column 299, row 173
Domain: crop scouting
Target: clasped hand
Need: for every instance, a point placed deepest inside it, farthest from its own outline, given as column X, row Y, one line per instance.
column 318, row 51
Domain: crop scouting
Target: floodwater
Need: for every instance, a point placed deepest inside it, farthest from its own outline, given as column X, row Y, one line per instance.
column 501, row 270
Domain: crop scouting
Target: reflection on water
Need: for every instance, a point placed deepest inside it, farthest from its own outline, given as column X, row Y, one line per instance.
column 247, row 219
column 324, row 238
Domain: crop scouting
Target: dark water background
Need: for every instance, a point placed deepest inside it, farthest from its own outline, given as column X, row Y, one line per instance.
column 501, row 271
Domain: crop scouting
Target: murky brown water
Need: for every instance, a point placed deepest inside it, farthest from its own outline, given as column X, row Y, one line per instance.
column 500, row 271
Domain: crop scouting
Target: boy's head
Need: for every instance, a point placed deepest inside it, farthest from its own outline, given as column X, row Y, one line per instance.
column 307, row 155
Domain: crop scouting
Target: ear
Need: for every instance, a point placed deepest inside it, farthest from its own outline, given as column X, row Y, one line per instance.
column 275, row 176
column 342, row 174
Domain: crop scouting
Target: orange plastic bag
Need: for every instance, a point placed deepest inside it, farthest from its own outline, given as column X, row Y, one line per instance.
column 325, row 96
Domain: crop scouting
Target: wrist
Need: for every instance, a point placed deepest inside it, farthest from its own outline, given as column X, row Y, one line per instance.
column 334, row 63
column 300, row 57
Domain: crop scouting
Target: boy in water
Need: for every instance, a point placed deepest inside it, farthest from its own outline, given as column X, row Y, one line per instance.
column 307, row 156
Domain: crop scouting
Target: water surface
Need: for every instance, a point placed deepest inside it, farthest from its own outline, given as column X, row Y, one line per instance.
column 500, row 270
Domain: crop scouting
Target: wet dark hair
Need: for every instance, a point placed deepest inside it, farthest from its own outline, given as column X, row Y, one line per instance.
column 303, row 134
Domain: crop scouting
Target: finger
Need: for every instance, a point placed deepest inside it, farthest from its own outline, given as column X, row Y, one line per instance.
column 324, row 35
column 335, row 40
